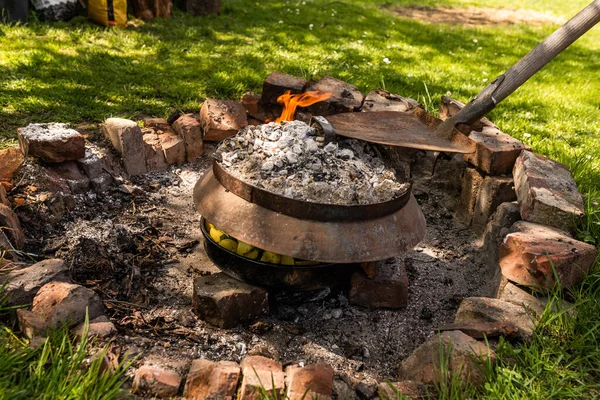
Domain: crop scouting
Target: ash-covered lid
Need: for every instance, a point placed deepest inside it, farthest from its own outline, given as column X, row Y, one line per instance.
column 291, row 160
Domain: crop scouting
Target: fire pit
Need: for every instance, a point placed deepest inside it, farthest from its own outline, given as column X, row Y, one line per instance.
column 286, row 190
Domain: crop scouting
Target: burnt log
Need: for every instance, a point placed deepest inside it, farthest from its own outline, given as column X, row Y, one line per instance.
column 277, row 83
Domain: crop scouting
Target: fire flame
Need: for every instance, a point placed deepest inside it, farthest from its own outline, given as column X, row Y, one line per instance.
column 291, row 101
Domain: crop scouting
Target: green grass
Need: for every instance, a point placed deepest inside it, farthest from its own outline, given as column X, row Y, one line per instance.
column 80, row 73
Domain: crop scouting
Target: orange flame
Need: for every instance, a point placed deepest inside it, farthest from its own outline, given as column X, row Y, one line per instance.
column 291, row 101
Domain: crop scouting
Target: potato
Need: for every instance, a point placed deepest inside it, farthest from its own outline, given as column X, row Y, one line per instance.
column 287, row 260
column 244, row 248
column 229, row 244
column 216, row 235
column 253, row 254
column 270, row 257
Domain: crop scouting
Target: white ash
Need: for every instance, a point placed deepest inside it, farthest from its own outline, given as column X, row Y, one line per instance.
column 50, row 132
column 291, row 160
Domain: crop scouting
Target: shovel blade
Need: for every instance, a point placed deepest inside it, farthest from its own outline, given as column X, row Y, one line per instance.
column 400, row 129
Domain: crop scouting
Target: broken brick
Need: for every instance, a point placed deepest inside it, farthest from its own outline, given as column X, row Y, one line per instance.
column 210, row 380
column 188, row 128
column 156, row 382
column 261, row 374
column 173, row 148
column 127, row 138
column 314, row 381
column 344, row 97
column 277, row 83
column 221, row 119
column 53, row 143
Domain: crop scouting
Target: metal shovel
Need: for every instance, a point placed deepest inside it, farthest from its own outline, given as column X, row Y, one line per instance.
column 407, row 130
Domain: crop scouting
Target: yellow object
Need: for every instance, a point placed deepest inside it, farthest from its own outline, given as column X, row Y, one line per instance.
column 217, row 235
column 108, row 13
column 253, row 254
column 287, row 260
column 229, row 244
column 272, row 258
column 244, row 248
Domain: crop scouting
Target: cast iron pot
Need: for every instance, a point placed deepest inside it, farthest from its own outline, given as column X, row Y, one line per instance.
column 275, row 276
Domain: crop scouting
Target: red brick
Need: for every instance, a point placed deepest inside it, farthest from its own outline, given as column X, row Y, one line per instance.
column 158, row 124
column 173, row 147
column 277, row 83
column 209, row 380
column 547, row 192
column 495, row 151
column 9, row 224
column 312, row 381
column 157, row 382
column 11, row 160
column 261, row 373
column 77, row 181
column 250, row 103
column 53, row 143
column 153, row 151
column 493, row 192
column 221, row 119
column 344, row 97
column 3, row 198
column 530, row 252
column 450, row 106
column 188, row 127
column 471, row 184
column 382, row 100
column 388, row 287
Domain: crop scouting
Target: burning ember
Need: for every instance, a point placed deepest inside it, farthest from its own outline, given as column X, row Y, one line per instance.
column 291, row 160
column 292, row 101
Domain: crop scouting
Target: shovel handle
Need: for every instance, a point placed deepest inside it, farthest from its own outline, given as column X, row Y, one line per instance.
column 519, row 73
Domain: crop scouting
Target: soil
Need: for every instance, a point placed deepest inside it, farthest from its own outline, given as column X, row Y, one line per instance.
column 139, row 245
column 475, row 16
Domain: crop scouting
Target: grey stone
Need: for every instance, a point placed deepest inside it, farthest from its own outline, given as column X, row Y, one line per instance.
column 23, row 284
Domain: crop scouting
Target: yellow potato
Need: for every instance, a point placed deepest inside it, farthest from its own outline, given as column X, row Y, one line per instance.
column 269, row 257
column 287, row 260
column 216, row 234
column 253, row 254
column 229, row 244
column 208, row 225
column 244, row 248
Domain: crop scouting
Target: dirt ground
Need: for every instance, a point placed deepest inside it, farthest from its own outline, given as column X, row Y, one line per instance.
column 475, row 16
column 139, row 245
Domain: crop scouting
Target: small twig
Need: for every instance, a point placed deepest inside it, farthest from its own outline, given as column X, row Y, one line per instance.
column 126, row 303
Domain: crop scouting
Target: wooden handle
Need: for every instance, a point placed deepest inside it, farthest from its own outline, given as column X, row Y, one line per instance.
column 519, row 73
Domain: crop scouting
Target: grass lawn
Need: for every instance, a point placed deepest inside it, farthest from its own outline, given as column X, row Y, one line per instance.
column 80, row 73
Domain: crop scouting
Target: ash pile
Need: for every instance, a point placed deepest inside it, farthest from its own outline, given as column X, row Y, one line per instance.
column 290, row 159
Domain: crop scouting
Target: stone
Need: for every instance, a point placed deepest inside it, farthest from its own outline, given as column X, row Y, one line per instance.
column 382, row 100
column 153, row 152
column 388, row 288
column 547, row 192
column 102, row 182
column 95, row 161
column 250, row 102
column 173, row 148
column 277, row 83
column 99, row 327
column 31, row 324
column 495, row 151
column 309, row 382
column 225, row 302
column 342, row 390
column 203, row 7
column 156, row 382
column 188, row 127
column 127, row 138
column 23, row 284
column 466, row 358
column 408, row 389
column 157, row 124
column 494, row 191
column 77, row 181
column 485, row 309
column 471, row 184
column 60, row 302
column 3, row 198
column 532, row 253
column 483, row 329
column 344, row 97
column 209, row 380
column 366, row 390
column 450, row 106
column 261, row 373
column 10, row 226
column 11, row 160
column 53, row 142
column 515, row 295
column 221, row 119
